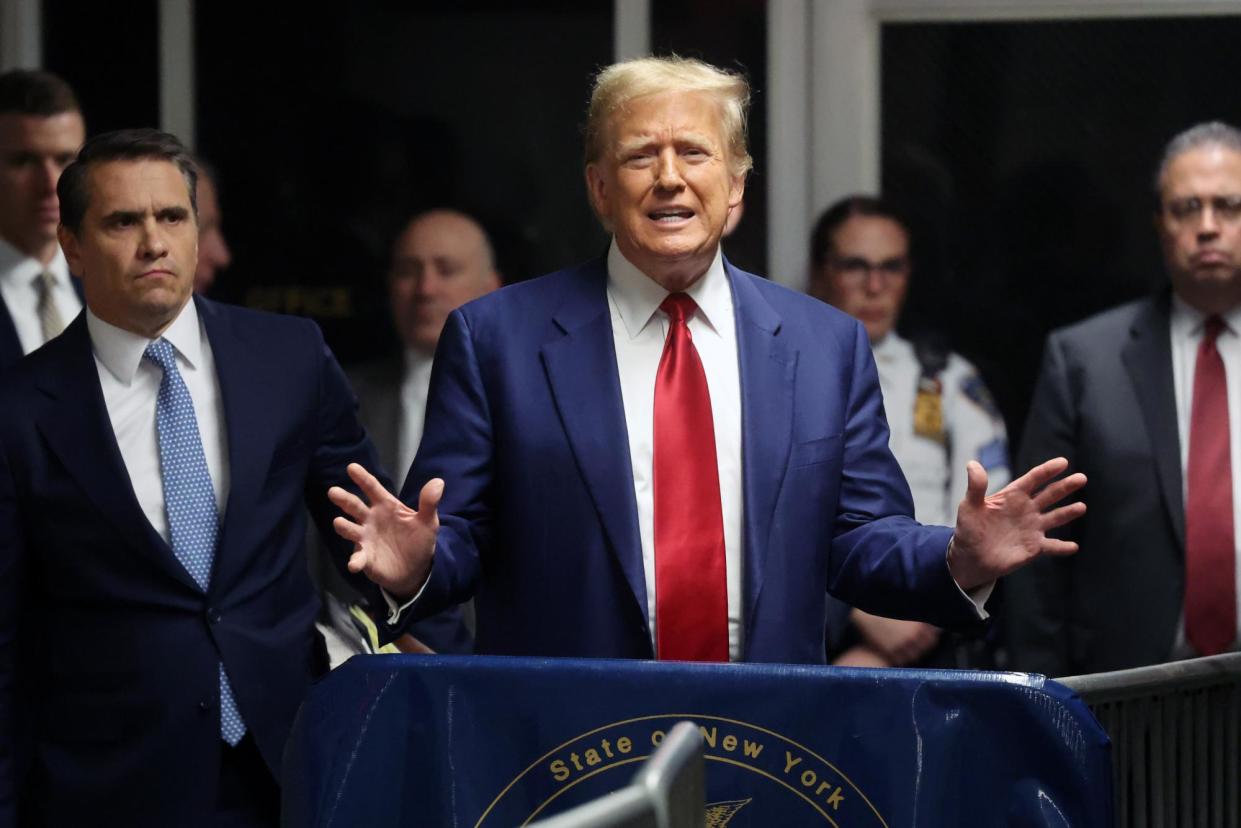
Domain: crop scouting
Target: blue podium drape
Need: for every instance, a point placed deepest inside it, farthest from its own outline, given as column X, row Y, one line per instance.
column 484, row 741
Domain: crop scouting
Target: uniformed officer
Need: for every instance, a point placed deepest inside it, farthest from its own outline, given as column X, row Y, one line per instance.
column 939, row 411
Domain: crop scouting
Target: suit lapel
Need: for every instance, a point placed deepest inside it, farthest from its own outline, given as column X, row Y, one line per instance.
column 581, row 370
column 1148, row 359
column 79, row 432
column 243, row 392
column 10, row 345
column 767, row 370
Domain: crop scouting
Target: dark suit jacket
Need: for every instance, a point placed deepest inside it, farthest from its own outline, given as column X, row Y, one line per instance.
column 10, row 345
column 112, row 646
column 525, row 424
column 378, row 386
column 1105, row 401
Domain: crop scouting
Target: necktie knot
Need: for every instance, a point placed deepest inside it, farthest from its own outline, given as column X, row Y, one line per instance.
column 1212, row 328
column 161, row 353
column 679, row 307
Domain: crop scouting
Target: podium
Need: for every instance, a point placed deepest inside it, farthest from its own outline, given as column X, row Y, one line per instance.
column 478, row 741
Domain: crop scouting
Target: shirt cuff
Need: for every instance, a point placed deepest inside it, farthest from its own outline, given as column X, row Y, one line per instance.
column 978, row 596
column 395, row 610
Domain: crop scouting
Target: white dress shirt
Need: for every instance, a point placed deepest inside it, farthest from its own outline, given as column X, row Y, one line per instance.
column 130, row 386
column 972, row 429
column 1186, row 329
column 19, row 276
column 638, row 330
column 414, row 384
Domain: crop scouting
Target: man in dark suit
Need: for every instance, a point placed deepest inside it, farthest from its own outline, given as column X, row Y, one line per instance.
column 40, row 132
column 1143, row 398
column 604, row 489
column 441, row 260
column 156, row 624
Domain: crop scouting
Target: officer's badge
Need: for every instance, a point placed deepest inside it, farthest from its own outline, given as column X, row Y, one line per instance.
column 929, row 410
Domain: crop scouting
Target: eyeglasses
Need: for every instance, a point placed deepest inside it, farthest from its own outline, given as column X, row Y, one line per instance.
column 1225, row 208
column 856, row 269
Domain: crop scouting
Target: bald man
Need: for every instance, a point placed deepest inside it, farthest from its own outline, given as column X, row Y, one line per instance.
column 440, row 261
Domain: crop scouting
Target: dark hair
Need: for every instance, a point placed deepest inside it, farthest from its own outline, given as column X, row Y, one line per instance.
column 32, row 92
column 840, row 212
column 121, row 145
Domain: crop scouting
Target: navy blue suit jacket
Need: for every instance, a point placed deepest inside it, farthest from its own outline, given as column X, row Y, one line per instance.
column 108, row 649
column 539, row 522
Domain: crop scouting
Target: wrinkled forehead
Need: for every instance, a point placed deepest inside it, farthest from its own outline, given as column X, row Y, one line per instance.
column 59, row 132
column 135, row 184
column 683, row 114
column 1207, row 169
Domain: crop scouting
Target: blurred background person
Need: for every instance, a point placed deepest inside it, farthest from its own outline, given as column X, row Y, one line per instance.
column 1146, row 399
column 213, row 252
column 940, row 413
column 441, row 260
column 41, row 129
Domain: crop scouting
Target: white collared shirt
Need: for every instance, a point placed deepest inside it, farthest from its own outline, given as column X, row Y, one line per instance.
column 1186, row 330
column 638, row 331
column 19, row 275
column 415, row 381
column 130, row 386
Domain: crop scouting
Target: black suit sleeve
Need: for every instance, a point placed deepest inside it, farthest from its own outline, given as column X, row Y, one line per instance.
column 1037, row 598
column 12, row 548
column 340, row 440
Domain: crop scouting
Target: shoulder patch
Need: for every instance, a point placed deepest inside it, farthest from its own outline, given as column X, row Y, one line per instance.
column 994, row 454
column 975, row 390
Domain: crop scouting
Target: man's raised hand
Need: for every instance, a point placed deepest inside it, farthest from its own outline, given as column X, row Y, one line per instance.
column 999, row 533
column 392, row 544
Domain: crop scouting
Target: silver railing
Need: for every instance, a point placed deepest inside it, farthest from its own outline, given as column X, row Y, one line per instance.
column 668, row 791
column 1176, row 740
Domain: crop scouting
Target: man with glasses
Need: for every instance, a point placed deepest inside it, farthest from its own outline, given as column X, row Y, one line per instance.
column 1145, row 399
column 939, row 411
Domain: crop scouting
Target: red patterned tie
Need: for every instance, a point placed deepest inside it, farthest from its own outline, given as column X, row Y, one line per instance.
column 691, row 586
column 1210, row 556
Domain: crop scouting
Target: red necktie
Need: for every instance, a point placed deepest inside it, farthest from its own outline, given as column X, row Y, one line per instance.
column 691, row 586
column 1210, row 556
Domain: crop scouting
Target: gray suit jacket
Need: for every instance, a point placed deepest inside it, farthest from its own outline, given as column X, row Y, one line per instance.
column 378, row 386
column 1105, row 401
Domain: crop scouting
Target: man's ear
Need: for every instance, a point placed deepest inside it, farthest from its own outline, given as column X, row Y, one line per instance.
column 69, row 244
column 736, row 190
column 597, row 188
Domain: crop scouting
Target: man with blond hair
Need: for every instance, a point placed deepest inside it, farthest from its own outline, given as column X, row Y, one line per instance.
column 656, row 454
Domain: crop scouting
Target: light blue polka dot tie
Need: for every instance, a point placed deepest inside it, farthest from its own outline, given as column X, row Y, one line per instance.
column 189, row 498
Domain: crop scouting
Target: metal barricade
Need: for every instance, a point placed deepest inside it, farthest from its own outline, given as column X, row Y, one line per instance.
column 1176, row 742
